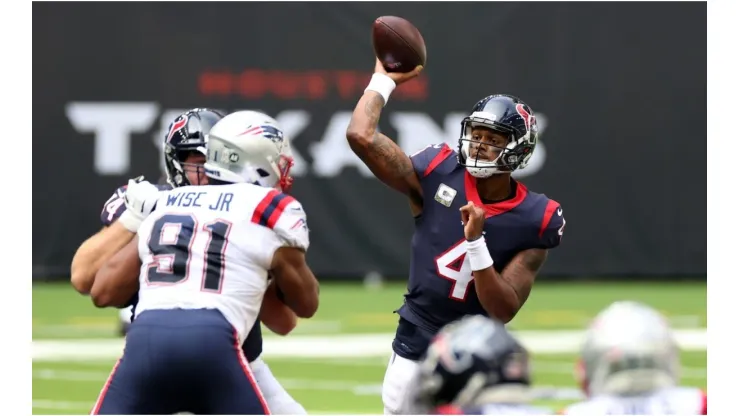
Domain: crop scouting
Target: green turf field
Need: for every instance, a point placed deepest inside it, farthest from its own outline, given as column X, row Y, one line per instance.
column 342, row 383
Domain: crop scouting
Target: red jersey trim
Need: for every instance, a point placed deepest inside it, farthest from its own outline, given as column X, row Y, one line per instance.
column 471, row 193
column 437, row 160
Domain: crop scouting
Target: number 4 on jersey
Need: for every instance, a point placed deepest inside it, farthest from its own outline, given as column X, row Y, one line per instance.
column 114, row 204
column 451, row 265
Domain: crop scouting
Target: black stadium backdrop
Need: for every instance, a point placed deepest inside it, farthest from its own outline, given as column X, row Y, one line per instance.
column 619, row 90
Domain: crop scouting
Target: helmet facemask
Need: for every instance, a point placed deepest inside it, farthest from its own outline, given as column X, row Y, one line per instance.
column 631, row 373
column 515, row 155
column 284, row 163
column 177, row 169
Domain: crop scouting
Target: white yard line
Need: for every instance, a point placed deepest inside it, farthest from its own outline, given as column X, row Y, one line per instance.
column 358, row 389
column 339, row 346
column 564, row 367
column 539, row 365
column 62, row 405
column 354, row 350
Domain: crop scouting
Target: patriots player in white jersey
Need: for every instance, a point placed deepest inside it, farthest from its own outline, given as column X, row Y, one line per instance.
column 205, row 255
column 473, row 366
column 184, row 155
column 629, row 366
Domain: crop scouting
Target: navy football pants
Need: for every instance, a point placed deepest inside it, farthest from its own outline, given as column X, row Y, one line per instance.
column 181, row 361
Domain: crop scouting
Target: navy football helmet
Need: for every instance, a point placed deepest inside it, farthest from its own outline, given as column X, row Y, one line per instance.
column 504, row 114
column 471, row 362
column 186, row 134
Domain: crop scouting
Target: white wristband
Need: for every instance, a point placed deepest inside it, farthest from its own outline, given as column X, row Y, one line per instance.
column 478, row 254
column 383, row 85
column 130, row 221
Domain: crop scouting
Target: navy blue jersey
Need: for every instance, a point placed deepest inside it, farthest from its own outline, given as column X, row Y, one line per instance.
column 114, row 207
column 116, row 204
column 441, row 287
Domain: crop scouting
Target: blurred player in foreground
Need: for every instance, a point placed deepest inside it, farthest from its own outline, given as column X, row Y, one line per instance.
column 629, row 366
column 172, row 260
column 473, row 366
column 485, row 264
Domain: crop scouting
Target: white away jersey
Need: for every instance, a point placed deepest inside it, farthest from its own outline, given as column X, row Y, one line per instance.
column 212, row 246
column 670, row 401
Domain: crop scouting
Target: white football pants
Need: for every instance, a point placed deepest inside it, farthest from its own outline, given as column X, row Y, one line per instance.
column 278, row 400
column 397, row 383
column 125, row 315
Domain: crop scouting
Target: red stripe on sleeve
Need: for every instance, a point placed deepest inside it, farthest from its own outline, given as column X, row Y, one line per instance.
column 549, row 210
column 441, row 156
column 275, row 216
column 263, row 205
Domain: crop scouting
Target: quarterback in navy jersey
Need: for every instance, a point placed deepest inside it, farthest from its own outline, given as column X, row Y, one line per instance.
column 184, row 147
column 480, row 236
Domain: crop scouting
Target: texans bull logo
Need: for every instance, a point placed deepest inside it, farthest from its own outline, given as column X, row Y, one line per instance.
column 178, row 124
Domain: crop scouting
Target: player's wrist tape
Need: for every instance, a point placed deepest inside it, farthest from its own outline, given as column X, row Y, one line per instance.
column 478, row 254
column 383, row 85
column 129, row 221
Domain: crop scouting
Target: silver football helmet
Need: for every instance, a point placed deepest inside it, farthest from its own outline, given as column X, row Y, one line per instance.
column 249, row 146
column 629, row 349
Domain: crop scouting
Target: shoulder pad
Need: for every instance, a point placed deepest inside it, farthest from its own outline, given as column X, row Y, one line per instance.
column 428, row 158
column 285, row 215
column 552, row 225
column 292, row 227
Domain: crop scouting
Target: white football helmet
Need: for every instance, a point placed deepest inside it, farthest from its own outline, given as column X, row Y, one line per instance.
column 629, row 349
column 249, row 146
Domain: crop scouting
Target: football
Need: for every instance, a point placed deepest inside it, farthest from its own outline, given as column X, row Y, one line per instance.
column 398, row 44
